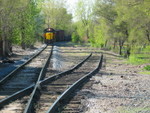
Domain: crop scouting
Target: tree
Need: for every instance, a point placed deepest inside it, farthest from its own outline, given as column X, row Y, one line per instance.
column 28, row 25
column 105, row 14
column 56, row 15
column 83, row 13
column 17, row 17
column 135, row 15
column 6, row 11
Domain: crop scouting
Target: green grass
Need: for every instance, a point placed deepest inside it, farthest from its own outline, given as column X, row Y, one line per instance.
column 147, row 68
column 145, row 72
column 139, row 59
column 140, row 55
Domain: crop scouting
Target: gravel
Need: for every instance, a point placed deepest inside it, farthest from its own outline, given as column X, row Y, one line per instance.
column 19, row 57
column 119, row 88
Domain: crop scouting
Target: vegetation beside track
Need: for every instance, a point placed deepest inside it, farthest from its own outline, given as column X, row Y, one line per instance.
column 116, row 25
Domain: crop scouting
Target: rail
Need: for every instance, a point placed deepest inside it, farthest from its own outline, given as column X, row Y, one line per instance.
column 55, row 105
column 29, row 89
column 35, row 91
column 34, row 95
column 11, row 74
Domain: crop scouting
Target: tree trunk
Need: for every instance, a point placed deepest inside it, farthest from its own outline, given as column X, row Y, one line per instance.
column 87, row 33
column 128, row 52
column 120, row 46
column 23, row 45
column 106, row 43
column 114, row 44
column 148, row 35
column 4, row 44
column 120, row 50
column 1, row 48
column 6, row 47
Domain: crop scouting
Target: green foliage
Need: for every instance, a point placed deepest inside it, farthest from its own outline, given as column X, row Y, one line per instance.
column 140, row 55
column 16, row 36
column 147, row 68
column 56, row 15
column 84, row 24
column 20, row 18
column 98, row 40
column 80, row 30
column 28, row 24
column 123, row 22
column 134, row 59
column 75, row 37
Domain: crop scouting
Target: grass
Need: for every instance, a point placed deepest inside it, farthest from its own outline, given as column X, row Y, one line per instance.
column 138, row 59
column 145, row 72
column 140, row 55
column 147, row 68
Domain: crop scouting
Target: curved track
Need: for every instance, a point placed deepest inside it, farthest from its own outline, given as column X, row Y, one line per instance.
column 64, row 98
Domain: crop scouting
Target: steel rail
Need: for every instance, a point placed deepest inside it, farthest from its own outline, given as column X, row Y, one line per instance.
column 35, row 90
column 59, row 100
column 34, row 96
column 42, row 72
column 27, row 90
column 21, row 93
column 11, row 74
column 16, row 95
column 56, row 76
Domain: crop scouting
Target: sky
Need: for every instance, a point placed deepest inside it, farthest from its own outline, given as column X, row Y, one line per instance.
column 71, row 5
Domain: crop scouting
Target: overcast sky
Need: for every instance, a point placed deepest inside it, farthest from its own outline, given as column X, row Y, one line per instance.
column 71, row 4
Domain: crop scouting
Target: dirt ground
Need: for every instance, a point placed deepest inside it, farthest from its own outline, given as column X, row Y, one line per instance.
column 119, row 88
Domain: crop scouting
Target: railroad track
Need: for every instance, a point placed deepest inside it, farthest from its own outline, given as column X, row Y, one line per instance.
column 50, row 90
column 73, row 103
column 25, row 75
column 45, row 92
column 70, row 100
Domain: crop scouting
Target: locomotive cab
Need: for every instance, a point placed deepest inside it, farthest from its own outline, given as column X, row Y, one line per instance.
column 49, row 35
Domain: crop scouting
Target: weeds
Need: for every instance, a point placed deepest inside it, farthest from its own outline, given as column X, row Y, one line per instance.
column 147, row 68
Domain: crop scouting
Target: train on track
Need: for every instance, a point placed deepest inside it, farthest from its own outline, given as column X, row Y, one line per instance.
column 51, row 35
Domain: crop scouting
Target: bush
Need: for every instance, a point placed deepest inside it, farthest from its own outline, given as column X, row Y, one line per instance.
column 147, row 68
column 75, row 37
